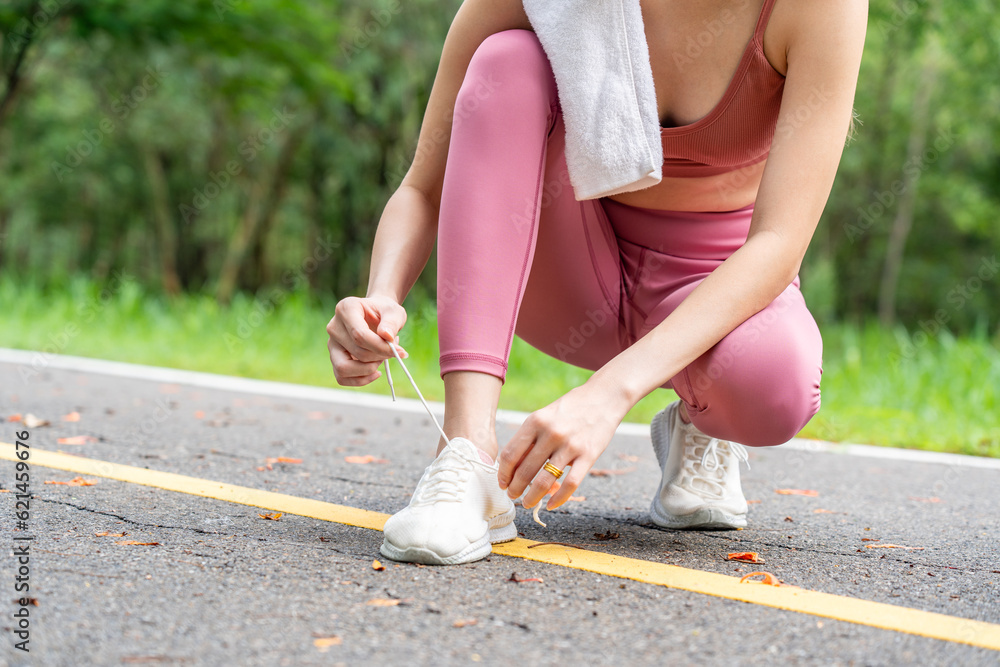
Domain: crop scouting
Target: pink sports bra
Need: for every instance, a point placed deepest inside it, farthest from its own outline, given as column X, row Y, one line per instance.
column 738, row 131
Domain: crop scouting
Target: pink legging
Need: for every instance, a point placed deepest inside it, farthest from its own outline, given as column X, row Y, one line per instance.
column 582, row 281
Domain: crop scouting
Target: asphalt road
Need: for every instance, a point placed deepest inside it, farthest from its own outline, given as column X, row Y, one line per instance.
column 224, row 586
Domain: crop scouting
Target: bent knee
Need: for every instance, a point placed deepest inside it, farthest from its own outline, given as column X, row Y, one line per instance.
column 508, row 65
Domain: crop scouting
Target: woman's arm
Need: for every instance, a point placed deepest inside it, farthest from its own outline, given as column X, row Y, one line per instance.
column 824, row 55
column 408, row 226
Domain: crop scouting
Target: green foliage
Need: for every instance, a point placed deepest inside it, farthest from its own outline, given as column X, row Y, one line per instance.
column 883, row 387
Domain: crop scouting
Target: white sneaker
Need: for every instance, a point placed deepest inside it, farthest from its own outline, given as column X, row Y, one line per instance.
column 456, row 513
column 700, row 487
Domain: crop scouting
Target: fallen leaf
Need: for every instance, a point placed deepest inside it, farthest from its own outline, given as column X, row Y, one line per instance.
column 752, row 502
column 71, row 417
column 769, row 578
column 199, row 414
column 14, row 418
column 746, row 557
column 76, row 481
column 461, row 623
column 932, row 499
column 107, row 534
column 31, row 601
column 138, row 544
column 377, row 566
column 821, row 511
column 76, row 440
column 282, row 459
column 515, row 580
column 870, row 539
column 31, row 421
column 4, row 490
column 630, row 458
column 576, row 499
column 324, row 642
column 892, row 546
column 606, row 536
column 789, row 519
column 382, row 602
column 367, row 458
column 271, row 516
column 608, row 472
column 797, row 492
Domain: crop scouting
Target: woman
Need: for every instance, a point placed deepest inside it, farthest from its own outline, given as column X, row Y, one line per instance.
column 690, row 284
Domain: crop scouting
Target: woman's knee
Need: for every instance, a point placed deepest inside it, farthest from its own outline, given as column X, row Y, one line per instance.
column 761, row 384
column 509, row 67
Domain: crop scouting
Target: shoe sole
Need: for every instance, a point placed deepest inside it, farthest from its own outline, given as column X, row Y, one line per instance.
column 501, row 528
column 707, row 518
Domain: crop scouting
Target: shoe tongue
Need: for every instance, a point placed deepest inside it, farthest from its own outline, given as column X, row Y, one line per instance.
column 469, row 450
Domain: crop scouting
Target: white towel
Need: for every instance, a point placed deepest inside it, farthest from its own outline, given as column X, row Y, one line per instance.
column 600, row 59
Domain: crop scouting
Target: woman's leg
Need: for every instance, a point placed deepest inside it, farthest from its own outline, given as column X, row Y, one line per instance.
column 515, row 249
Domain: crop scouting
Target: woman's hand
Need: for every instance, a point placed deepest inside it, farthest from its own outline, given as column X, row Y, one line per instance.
column 359, row 332
column 573, row 431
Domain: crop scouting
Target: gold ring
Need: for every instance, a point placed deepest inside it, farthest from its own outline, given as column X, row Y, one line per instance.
column 549, row 468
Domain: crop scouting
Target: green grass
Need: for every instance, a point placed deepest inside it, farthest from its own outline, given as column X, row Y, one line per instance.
column 879, row 387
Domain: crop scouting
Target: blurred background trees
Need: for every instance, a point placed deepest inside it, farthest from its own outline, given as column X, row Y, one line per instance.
column 217, row 146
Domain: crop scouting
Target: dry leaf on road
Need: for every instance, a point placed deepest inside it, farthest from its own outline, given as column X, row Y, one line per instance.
column 746, row 557
column 515, row 580
column 463, row 622
column 383, row 602
column 892, row 546
column 324, row 642
column 377, row 566
column 31, row 421
column 271, row 516
column 71, row 417
column 138, row 544
column 608, row 472
column 769, row 579
column 76, row 440
column 367, row 458
column 107, row 534
column 797, row 492
column 76, row 481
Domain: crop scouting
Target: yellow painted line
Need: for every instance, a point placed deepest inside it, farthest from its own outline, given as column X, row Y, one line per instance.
column 838, row 607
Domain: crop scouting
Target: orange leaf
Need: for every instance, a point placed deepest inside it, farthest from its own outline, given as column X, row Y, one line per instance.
column 461, row 623
column 14, row 418
column 71, row 417
column 752, row 502
column 107, row 534
column 382, row 602
column 138, row 544
column 769, row 578
column 367, row 458
column 516, row 580
column 76, row 481
column 745, row 557
column 821, row 511
column 282, row 459
column 892, row 546
column 377, row 566
column 270, row 516
column 797, row 492
column 324, row 642
column 608, row 472
column 76, row 440
column 199, row 414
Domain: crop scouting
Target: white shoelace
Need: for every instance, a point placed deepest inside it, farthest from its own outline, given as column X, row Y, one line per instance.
column 445, row 480
column 388, row 377
column 712, row 461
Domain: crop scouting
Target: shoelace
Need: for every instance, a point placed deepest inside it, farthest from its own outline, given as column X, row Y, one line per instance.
column 388, row 377
column 712, row 461
column 445, row 480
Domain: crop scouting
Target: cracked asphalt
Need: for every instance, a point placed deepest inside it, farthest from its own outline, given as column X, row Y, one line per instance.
column 224, row 586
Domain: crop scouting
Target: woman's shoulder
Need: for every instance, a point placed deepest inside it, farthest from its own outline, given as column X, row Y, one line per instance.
column 823, row 25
